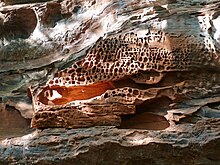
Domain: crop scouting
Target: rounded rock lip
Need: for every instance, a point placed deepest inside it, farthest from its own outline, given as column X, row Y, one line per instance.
column 19, row 23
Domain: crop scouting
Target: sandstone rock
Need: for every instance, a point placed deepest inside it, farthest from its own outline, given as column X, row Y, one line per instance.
column 182, row 144
column 12, row 123
column 18, row 23
column 131, row 67
column 151, row 68
column 49, row 14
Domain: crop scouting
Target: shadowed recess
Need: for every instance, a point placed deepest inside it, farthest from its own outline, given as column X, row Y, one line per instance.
column 19, row 23
column 13, row 2
column 12, row 124
column 145, row 117
column 59, row 95
column 144, row 120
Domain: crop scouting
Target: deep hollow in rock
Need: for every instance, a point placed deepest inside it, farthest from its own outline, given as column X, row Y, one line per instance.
column 60, row 95
column 149, row 115
column 158, row 105
column 148, row 121
column 140, row 66
column 12, row 123
column 18, row 23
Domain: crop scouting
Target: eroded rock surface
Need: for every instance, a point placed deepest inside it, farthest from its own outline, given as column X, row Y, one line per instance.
column 183, row 144
column 127, row 68
column 152, row 66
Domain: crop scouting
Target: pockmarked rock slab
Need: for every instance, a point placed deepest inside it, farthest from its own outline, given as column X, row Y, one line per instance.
column 129, row 68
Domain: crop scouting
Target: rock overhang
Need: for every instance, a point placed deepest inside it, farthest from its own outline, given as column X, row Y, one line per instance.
column 124, row 71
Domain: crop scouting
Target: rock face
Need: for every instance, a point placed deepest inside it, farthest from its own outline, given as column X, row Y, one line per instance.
column 125, row 69
column 145, row 73
column 183, row 144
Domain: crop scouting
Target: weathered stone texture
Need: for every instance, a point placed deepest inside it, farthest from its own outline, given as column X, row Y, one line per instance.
column 151, row 68
column 183, row 144
column 138, row 64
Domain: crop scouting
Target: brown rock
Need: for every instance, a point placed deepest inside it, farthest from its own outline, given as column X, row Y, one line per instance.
column 145, row 121
column 12, row 123
column 82, row 116
column 19, row 23
column 140, row 69
column 152, row 66
column 49, row 14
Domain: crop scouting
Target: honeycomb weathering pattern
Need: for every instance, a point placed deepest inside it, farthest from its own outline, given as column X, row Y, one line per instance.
column 113, row 58
column 119, row 73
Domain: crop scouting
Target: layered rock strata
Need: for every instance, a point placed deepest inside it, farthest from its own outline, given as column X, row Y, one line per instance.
column 183, row 144
column 150, row 65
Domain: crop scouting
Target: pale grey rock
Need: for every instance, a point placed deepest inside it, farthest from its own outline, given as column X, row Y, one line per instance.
column 183, row 144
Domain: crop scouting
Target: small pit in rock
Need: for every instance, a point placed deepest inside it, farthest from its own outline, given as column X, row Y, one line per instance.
column 149, row 115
